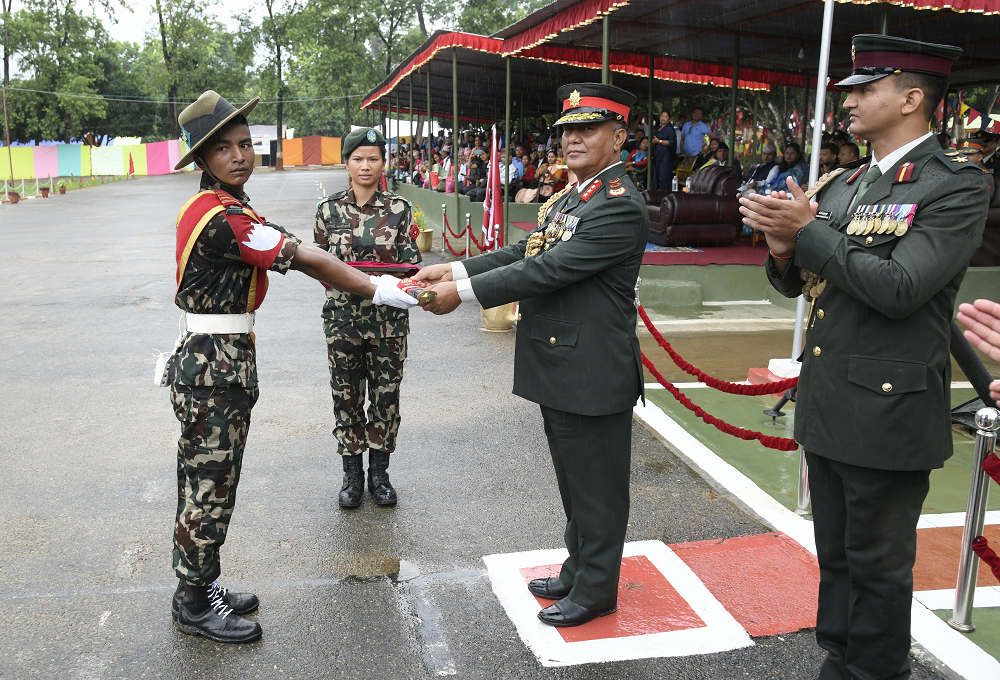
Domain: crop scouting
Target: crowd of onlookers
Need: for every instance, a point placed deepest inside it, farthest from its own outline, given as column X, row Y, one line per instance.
column 536, row 169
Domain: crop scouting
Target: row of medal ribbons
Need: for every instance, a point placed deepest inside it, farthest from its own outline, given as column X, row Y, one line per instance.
column 882, row 219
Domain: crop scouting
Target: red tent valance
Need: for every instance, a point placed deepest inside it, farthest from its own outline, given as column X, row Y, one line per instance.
column 456, row 39
column 664, row 68
column 961, row 6
column 578, row 15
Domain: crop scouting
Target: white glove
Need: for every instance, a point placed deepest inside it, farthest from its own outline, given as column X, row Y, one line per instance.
column 387, row 292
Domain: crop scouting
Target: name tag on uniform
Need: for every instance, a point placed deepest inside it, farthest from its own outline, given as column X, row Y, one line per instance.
column 822, row 215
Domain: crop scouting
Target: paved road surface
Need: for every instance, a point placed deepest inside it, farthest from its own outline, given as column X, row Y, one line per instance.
column 87, row 446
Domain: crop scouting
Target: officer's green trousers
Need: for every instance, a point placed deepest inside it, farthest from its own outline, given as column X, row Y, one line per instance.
column 865, row 521
column 592, row 457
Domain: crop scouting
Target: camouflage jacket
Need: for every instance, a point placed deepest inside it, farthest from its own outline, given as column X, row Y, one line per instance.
column 217, row 280
column 377, row 231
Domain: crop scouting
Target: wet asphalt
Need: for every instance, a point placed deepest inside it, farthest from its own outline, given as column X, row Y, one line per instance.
column 87, row 492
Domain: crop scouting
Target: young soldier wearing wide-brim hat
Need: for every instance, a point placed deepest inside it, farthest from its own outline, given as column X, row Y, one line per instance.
column 577, row 354
column 882, row 256
column 224, row 251
column 366, row 344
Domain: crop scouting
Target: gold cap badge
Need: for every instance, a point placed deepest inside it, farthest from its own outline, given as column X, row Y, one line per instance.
column 574, row 98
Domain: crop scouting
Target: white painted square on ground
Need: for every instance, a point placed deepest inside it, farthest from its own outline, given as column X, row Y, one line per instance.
column 720, row 633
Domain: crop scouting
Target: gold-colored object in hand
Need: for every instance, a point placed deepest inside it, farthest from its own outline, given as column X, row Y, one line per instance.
column 425, row 296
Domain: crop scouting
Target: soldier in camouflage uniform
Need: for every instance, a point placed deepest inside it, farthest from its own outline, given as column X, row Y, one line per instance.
column 365, row 343
column 224, row 251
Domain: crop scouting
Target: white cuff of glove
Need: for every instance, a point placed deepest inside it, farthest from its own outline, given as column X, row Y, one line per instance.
column 387, row 292
column 465, row 292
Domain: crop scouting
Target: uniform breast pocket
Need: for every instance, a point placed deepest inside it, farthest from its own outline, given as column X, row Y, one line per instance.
column 555, row 333
column 887, row 376
column 880, row 244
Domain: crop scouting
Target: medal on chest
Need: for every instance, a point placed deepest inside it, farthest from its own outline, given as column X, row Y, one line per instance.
column 560, row 228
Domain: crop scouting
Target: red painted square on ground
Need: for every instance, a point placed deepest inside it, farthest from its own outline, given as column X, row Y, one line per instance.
column 647, row 603
column 936, row 567
column 768, row 582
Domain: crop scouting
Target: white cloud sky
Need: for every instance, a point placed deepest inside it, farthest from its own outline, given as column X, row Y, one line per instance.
column 133, row 26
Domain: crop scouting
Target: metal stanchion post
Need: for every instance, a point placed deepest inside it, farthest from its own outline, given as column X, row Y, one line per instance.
column 444, row 213
column 804, row 504
column 987, row 420
column 468, row 235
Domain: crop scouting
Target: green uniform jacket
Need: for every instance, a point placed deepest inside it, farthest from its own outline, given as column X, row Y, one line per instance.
column 874, row 390
column 576, row 347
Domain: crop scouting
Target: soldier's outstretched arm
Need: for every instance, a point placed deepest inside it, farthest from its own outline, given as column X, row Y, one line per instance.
column 324, row 267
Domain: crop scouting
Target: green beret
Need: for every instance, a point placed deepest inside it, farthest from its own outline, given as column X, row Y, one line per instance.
column 362, row 137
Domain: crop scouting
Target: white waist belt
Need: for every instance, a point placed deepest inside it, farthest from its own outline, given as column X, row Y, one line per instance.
column 217, row 324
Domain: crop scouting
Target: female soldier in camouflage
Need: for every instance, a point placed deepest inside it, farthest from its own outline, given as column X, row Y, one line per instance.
column 365, row 343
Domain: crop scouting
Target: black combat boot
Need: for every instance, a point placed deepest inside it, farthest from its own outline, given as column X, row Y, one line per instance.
column 354, row 481
column 240, row 603
column 378, row 478
column 202, row 611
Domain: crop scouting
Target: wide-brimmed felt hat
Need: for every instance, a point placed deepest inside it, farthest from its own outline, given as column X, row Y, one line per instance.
column 878, row 56
column 209, row 114
column 593, row 102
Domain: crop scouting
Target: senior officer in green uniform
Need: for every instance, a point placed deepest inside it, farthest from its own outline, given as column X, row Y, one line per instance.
column 577, row 354
column 882, row 256
column 365, row 343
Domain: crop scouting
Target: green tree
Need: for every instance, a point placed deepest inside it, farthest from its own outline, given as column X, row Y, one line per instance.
column 57, row 52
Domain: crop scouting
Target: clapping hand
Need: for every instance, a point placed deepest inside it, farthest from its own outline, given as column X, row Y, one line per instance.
column 983, row 321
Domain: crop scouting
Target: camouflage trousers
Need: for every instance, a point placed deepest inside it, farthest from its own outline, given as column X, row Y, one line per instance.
column 355, row 362
column 214, row 424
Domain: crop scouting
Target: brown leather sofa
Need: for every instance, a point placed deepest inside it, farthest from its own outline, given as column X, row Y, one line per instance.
column 988, row 254
column 708, row 214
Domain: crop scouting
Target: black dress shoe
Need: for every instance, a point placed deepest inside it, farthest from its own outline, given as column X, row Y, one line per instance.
column 550, row 588
column 240, row 603
column 201, row 612
column 566, row 613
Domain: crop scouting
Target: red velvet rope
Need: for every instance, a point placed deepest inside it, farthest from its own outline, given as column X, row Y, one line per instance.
column 991, row 465
column 453, row 251
column 779, row 443
column 472, row 235
column 450, row 230
column 981, row 547
column 721, row 385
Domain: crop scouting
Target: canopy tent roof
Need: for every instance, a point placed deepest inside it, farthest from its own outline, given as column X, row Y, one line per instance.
column 536, row 73
column 773, row 33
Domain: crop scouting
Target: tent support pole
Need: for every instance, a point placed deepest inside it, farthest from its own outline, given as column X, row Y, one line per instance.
column 650, row 125
column 506, row 159
column 454, row 104
column 606, row 51
column 821, row 78
column 430, row 124
column 454, row 131
column 732, row 113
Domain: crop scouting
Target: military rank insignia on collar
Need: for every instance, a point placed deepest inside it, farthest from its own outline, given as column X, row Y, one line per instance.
column 857, row 173
column 904, row 173
column 615, row 187
column 234, row 210
column 591, row 190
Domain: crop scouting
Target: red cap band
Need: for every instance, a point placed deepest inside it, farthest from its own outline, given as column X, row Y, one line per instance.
column 598, row 103
column 904, row 61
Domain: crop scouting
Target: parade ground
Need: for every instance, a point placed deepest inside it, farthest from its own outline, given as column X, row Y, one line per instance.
column 719, row 577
